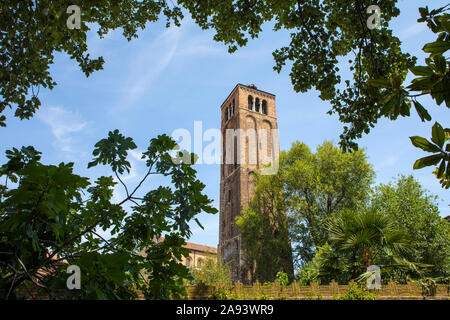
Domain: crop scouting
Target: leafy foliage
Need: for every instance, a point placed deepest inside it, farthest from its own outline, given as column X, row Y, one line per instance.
column 282, row 278
column 441, row 154
column 264, row 232
column 414, row 210
column 360, row 239
column 32, row 31
column 433, row 80
column 294, row 205
column 376, row 236
column 307, row 275
column 358, row 291
column 322, row 32
column 213, row 272
column 398, row 229
column 52, row 218
column 338, row 225
column 317, row 186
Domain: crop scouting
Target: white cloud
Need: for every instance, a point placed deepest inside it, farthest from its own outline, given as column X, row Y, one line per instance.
column 199, row 46
column 389, row 161
column 412, row 31
column 154, row 57
column 136, row 154
column 147, row 65
column 63, row 123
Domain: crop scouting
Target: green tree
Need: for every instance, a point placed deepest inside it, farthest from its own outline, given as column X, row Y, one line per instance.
column 317, row 186
column 415, row 210
column 358, row 291
column 282, row 278
column 399, row 229
column 308, row 274
column 264, row 232
column 294, row 205
column 50, row 218
column 213, row 272
column 361, row 239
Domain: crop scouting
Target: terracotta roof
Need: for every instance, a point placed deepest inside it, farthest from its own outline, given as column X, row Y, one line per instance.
column 200, row 247
column 195, row 246
column 447, row 218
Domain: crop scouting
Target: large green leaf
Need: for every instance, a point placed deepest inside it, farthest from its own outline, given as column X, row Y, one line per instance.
column 380, row 83
column 441, row 169
column 440, row 64
column 421, row 111
column 424, row 83
column 427, row 161
column 438, row 135
column 424, row 144
column 437, row 47
column 422, row 71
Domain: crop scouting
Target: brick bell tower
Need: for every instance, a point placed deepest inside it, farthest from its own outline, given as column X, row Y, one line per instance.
column 249, row 142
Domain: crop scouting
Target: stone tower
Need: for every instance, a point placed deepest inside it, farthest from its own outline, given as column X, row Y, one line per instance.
column 249, row 141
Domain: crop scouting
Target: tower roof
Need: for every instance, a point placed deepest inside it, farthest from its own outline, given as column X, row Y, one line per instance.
column 251, row 86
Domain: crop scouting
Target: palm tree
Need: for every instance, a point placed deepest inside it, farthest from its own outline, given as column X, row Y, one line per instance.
column 366, row 238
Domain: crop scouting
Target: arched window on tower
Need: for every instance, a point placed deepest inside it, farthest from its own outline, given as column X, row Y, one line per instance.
column 257, row 105
column 264, row 106
column 232, row 107
column 250, row 103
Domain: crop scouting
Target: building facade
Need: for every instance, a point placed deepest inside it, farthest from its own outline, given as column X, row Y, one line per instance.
column 198, row 254
column 249, row 142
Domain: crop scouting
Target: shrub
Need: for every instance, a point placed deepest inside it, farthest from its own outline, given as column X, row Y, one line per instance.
column 358, row 291
column 282, row 278
column 307, row 275
column 214, row 273
column 220, row 294
column 429, row 287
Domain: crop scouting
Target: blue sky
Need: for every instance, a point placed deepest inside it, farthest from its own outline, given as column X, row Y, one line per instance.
column 169, row 78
